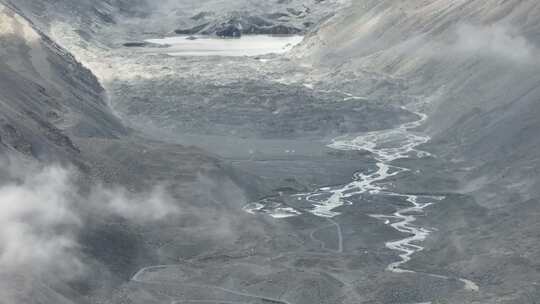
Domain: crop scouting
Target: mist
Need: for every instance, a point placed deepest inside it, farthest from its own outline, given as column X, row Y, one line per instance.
column 495, row 40
column 43, row 212
column 38, row 224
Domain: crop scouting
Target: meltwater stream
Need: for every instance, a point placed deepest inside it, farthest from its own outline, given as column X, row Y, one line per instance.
column 385, row 146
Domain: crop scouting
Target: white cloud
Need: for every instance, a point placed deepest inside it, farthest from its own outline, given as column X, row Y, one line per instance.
column 137, row 207
column 37, row 223
column 42, row 215
column 495, row 40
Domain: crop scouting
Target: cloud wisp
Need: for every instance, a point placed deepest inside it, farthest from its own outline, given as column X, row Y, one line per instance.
column 43, row 212
column 38, row 223
column 496, row 40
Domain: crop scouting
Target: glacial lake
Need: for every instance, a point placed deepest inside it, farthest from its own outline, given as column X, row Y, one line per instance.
column 247, row 45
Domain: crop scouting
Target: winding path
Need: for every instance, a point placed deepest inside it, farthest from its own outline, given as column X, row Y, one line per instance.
column 137, row 278
column 339, row 234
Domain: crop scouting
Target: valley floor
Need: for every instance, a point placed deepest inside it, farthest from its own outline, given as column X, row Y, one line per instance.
column 325, row 239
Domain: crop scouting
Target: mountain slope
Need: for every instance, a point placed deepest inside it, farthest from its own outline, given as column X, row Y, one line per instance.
column 67, row 155
column 473, row 65
column 474, row 62
column 46, row 94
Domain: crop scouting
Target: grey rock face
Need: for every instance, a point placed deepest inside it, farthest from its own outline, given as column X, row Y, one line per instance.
column 46, row 94
column 229, row 30
column 239, row 23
